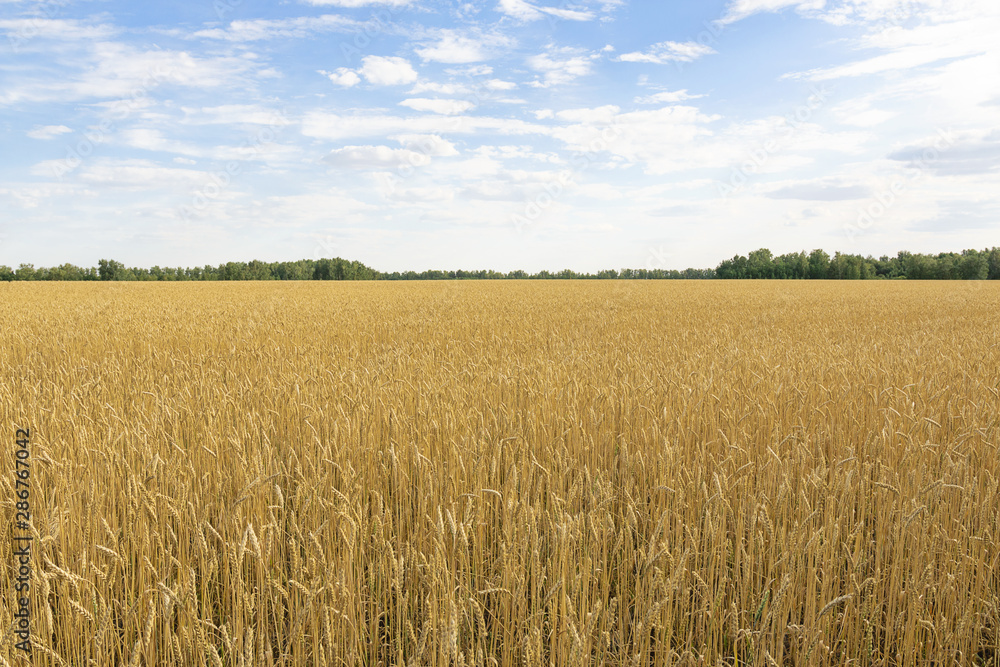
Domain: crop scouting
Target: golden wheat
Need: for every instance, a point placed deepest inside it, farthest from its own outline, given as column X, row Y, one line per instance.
column 515, row 473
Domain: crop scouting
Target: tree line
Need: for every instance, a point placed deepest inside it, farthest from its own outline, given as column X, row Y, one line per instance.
column 818, row 265
column 565, row 274
column 320, row 269
column 109, row 269
column 759, row 264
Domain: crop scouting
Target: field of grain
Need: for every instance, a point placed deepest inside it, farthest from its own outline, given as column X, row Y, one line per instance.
column 506, row 473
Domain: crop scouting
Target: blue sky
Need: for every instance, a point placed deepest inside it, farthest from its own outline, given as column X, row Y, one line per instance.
column 415, row 134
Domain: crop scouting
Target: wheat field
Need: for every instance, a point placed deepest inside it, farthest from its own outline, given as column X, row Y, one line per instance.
column 505, row 473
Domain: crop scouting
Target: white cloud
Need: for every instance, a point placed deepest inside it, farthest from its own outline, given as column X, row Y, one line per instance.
column 374, row 157
column 131, row 174
column 666, row 97
column 30, row 196
column 417, row 151
column 665, row 140
column 881, row 13
column 861, row 114
column 471, row 70
column 561, row 66
column 235, row 114
column 519, row 9
column 665, row 52
column 346, row 78
column 446, row 107
column 354, row 4
column 668, row 140
column 512, row 185
column 112, row 70
column 428, row 144
column 303, row 209
column 498, row 84
column 153, row 140
column 440, row 88
column 149, row 139
column 336, row 127
column 20, row 31
column 601, row 115
column 387, row 70
column 818, row 190
column 294, row 28
column 524, row 11
column 876, row 15
column 423, row 195
column 47, row 131
column 972, row 152
column 936, row 70
column 454, row 48
column 518, row 152
column 740, row 9
column 916, row 47
column 603, row 191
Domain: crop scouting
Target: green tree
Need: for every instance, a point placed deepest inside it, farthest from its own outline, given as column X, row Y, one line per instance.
column 26, row 272
column 994, row 264
column 109, row 269
column 921, row 267
column 733, row 269
column 323, row 269
column 258, row 270
column 947, row 266
column 760, row 264
column 852, row 267
column 819, row 264
column 67, row 272
column 974, row 266
column 233, row 271
column 867, row 268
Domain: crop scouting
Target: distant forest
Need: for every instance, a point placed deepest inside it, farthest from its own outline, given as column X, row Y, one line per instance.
column 759, row 264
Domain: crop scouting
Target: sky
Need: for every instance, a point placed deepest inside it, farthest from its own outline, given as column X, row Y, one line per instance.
column 504, row 134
